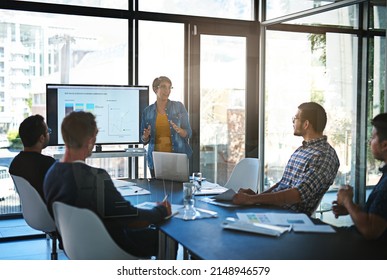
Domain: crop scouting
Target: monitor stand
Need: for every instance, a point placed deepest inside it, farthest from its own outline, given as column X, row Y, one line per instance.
column 135, row 150
column 98, row 148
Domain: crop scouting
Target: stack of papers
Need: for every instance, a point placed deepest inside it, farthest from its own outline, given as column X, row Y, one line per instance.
column 274, row 224
column 297, row 221
column 122, row 183
column 222, row 199
column 255, row 228
column 126, row 188
column 208, row 188
column 200, row 214
column 219, row 203
column 178, row 211
column 225, row 196
column 149, row 205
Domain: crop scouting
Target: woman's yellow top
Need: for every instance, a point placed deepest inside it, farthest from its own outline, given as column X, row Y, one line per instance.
column 163, row 141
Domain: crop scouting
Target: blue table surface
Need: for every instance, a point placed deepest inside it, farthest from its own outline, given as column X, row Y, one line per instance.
column 208, row 240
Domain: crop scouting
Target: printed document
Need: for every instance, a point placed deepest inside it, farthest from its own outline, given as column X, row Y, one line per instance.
column 279, row 219
column 255, row 227
column 208, row 188
column 299, row 222
column 126, row 188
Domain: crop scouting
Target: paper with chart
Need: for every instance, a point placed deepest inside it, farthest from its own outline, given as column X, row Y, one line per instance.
column 279, row 219
column 298, row 221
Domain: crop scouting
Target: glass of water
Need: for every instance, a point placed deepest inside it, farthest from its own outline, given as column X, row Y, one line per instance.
column 190, row 213
column 197, row 178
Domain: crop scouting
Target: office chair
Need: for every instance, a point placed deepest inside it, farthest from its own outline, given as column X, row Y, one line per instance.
column 35, row 211
column 244, row 175
column 85, row 236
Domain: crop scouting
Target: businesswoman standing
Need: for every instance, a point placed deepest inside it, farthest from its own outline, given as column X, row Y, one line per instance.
column 164, row 125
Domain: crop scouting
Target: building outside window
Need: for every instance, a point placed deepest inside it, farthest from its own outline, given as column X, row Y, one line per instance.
column 38, row 49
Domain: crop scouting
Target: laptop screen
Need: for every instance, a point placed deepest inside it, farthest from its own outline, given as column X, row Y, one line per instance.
column 171, row 166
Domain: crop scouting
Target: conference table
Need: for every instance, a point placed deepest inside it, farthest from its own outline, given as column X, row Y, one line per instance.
column 206, row 238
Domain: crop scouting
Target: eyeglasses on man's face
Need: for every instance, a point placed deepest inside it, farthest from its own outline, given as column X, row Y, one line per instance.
column 165, row 87
column 49, row 130
column 294, row 118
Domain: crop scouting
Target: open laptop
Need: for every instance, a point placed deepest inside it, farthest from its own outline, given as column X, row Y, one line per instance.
column 171, row 166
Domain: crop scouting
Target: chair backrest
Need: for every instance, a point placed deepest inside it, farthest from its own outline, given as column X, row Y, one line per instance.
column 85, row 236
column 318, row 208
column 244, row 175
column 34, row 209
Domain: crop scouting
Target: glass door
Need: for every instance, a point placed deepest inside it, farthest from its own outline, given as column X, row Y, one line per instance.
column 218, row 93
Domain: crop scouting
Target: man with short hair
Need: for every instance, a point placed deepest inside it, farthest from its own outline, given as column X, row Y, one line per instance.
column 310, row 170
column 30, row 163
column 371, row 221
column 73, row 182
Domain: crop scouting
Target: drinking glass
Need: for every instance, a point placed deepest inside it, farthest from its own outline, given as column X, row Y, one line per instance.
column 197, row 178
column 190, row 212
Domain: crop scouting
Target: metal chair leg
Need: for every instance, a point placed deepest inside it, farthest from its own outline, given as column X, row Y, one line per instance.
column 54, row 254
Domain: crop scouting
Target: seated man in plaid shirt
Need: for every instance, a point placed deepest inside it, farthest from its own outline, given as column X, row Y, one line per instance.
column 310, row 171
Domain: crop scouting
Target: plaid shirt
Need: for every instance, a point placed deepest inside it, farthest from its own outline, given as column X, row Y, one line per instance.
column 311, row 169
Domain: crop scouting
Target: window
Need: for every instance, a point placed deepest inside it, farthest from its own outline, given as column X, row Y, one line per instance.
column 222, row 105
column 86, row 51
column 161, row 53
column 343, row 17
column 279, row 8
column 315, row 67
column 41, row 48
column 115, row 4
column 378, row 16
column 376, row 99
column 232, row 9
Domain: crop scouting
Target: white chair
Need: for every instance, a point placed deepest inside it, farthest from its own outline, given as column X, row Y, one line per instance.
column 85, row 236
column 35, row 211
column 321, row 208
column 244, row 175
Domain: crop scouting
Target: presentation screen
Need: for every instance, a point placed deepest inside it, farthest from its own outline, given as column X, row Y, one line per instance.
column 117, row 109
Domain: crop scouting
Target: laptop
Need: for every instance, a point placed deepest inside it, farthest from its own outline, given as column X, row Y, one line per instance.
column 171, row 166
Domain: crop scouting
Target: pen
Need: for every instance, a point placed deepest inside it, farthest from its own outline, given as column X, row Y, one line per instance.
column 165, row 198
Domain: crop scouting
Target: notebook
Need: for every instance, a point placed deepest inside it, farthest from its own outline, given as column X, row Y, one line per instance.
column 171, row 166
